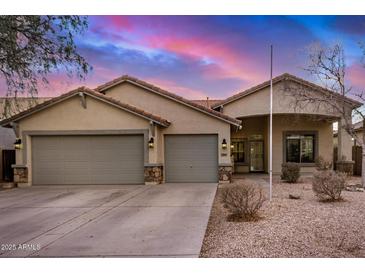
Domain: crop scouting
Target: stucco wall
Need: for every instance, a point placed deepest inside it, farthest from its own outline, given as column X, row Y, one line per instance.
column 184, row 120
column 258, row 102
column 69, row 115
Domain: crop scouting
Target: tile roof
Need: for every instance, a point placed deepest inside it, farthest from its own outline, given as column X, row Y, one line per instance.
column 92, row 93
column 357, row 126
column 19, row 104
column 285, row 76
column 207, row 102
column 202, row 108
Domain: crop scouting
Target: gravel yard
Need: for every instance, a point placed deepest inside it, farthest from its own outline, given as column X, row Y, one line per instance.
column 291, row 228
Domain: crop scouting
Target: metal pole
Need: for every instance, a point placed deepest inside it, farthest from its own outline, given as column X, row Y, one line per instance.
column 270, row 162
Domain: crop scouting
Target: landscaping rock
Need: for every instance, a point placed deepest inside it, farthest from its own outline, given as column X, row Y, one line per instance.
column 354, row 188
column 294, row 196
column 306, row 229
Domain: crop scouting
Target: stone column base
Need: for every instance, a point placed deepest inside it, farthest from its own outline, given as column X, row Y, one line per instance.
column 346, row 167
column 225, row 173
column 153, row 174
column 21, row 175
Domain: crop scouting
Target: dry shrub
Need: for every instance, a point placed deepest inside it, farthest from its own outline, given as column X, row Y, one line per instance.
column 243, row 201
column 322, row 164
column 290, row 172
column 328, row 185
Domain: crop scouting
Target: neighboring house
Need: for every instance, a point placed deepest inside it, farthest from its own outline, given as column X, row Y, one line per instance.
column 358, row 130
column 356, row 147
column 7, row 135
column 128, row 131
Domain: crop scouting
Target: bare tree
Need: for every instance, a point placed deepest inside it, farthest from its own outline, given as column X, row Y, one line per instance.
column 32, row 47
column 327, row 64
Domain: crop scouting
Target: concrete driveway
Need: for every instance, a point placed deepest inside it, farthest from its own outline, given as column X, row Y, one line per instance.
column 166, row 220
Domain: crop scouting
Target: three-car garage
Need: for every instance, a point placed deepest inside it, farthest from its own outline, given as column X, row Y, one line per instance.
column 119, row 159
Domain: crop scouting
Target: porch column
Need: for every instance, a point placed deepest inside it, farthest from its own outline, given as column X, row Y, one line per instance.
column 344, row 149
column 153, row 170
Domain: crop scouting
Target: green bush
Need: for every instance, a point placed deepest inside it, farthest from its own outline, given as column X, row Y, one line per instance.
column 290, row 172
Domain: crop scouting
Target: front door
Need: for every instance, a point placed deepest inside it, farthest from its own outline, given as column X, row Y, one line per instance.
column 256, row 156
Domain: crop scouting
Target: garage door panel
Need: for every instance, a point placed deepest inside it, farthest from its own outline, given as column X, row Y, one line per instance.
column 88, row 159
column 191, row 158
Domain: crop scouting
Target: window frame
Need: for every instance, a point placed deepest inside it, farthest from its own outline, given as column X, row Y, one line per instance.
column 245, row 150
column 301, row 132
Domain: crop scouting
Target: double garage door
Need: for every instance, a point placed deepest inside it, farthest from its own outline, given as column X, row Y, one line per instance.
column 113, row 159
column 119, row 159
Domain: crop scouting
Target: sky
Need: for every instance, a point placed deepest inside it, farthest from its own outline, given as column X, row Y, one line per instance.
column 209, row 56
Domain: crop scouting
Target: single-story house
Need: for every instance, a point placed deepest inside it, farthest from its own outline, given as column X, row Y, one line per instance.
column 358, row 131
column 356, row 142
column 128, row 131
column 9, row 107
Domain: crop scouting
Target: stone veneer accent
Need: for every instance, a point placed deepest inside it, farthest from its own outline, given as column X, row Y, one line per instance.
column 20, row 175
column 153, row 174
column 345, row 166
column 225, row 173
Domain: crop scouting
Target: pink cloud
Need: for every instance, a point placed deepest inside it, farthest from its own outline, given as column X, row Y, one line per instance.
column 227, row 62
column 356, row 73
column 173, row 87
column 113, row 22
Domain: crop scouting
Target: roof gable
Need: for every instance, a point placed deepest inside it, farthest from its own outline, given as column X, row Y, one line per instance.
column 283, row 77
column 89, row 92
column 161, row 92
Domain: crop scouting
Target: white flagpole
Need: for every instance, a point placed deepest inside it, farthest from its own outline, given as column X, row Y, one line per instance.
column 270, row 164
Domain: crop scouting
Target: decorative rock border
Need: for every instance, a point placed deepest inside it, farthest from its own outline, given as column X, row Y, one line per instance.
column 225, row 173
column 20, row 175
column 153, row 174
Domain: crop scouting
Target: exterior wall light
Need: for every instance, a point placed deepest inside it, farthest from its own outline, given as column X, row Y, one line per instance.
column 232, row 146
column 224, row 144
column 151, row 143
column 18, row 144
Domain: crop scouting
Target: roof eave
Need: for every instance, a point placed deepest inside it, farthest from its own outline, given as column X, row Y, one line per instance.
column 285, row 76
column 15, row 118
column 102, row 89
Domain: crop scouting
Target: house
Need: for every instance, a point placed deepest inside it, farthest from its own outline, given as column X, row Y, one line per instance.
column 355, row 143
column 357, row 129
column 128, row 131
column 9, row 107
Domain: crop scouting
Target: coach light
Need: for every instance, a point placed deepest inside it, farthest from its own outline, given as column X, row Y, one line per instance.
column 150, row 143
column 18, row 144
column 224, row 144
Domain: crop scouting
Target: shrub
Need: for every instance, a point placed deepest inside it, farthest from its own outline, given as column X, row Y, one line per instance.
column 322, row 164
column 290, row 172
column 243, row 201
column 328, row 185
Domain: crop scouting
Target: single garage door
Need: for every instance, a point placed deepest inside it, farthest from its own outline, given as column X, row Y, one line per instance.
column 88, row 159
column 191, row 158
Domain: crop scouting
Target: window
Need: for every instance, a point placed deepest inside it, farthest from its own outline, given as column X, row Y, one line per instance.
column 300, row 148
column 238, row 150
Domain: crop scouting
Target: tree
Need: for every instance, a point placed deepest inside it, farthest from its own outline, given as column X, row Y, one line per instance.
column 32, row 47
column 327, row 64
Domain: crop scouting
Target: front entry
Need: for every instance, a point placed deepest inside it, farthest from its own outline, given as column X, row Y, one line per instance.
column 256, row 156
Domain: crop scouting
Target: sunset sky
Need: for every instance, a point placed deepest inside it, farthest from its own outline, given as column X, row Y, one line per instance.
column 215, row 56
